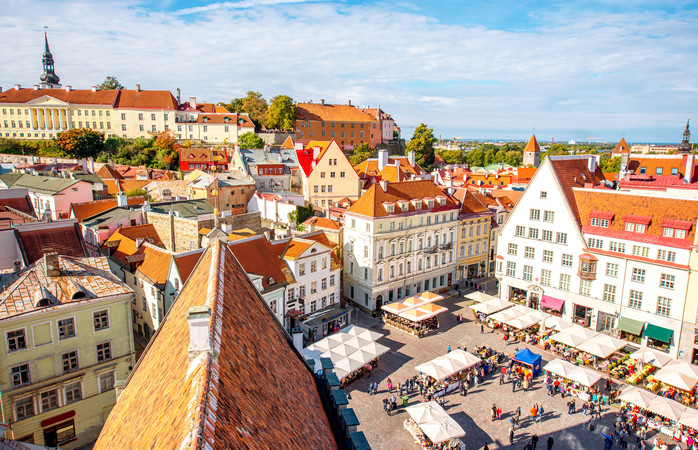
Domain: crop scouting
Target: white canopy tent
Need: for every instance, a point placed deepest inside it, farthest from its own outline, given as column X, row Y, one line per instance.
column 560, row 367
column 636, row 396
column 426, row 412
column 557, row 323
column 531, row 318
column 676, row 379
column 689, row 418
column 434, row 422
column 601, row 345
column 479, row 297
column 446, row 365
column 648, row 356
column 573, row 336
column 572, row 372
column 666, row 408
column 491, row 306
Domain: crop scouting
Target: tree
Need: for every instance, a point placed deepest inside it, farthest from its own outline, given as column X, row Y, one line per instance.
column 452, row 156
column 475, row 158
column 360, row 154
column 80, row 142
column 235, row 105
column 610, row 165
column 281, row 113
column 513, row 158
column 422, row 144
column 556, row 149
column 109, row 84
column 255, row 105
column 301, row 214
column 250, row 140
column 167, row 150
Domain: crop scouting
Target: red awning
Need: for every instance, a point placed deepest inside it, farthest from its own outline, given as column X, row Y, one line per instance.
column 59, row 418
column 552, row 302
column 294, row 313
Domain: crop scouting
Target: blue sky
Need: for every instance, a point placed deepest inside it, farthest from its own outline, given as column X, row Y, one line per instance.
column 562, row 70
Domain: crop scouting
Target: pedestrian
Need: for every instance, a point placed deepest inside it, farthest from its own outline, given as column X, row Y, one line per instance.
column 390, row 385
column 448, row 349
column 513, row 385
column 539, row 418
column 385, row 405
column 370, row 388
column 609, row 383
column 501, row 378
column 494, row 412
column 534, row 441
column 512, row 421
column 499, row 413
column 608, row 441
column 592, row 424
column 518, row 415
column 482, row 329
column 570, row 407
column 375, row 388
column 598, row 411
column 551, row 441
column 511, row 436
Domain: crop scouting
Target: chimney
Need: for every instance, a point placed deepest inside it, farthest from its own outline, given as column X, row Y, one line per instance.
column 199, row 318
column 0, row 89
column 18, row 87
column 51, row 264
column 316, row 152
column 384, row 185
column 94, row 88
column 322, row 101
column 68, row 88
column 83, row 162
column 192, row 102
column 382, row 159
column 411, row 157
column 297, row 334
column 591, row 163
column 121, row 199
column 36, row 87
column 690, row 166
column 138, row 87
column 92, row 164
column 349, row 102
column 178, row 96
column 17, row 266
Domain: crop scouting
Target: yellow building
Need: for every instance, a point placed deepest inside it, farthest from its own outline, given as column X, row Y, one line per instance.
column 328, row 176
column 67, row 339
column 474, row 236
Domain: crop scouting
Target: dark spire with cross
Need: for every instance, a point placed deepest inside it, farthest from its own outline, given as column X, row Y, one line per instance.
column 49, row 79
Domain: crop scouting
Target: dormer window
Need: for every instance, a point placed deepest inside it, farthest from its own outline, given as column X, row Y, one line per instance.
column 389, row 207
column 601, row 219
column 595, row 222
column 417, row 203
column 226, row 119
column 442, row 200
column 404, row 205
column 637, row 224
column 205, row 119
column 430, row 202
column 676, row 229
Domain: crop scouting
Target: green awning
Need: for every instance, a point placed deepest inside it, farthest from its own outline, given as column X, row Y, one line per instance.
column 631, row 326
column 658, row 333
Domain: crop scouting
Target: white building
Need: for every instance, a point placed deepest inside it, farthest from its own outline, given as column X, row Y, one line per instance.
column 616, row 262
column 399, row 240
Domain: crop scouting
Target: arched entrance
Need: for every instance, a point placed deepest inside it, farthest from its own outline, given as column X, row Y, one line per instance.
column 379, row 302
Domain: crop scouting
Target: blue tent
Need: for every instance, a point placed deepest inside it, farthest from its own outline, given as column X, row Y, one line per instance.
column 529, row 358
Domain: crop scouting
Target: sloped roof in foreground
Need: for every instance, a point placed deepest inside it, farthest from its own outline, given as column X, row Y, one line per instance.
column 250, row 390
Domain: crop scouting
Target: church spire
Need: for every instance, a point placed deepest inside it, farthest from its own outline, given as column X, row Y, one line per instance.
column 685, row 146
column 49, row 79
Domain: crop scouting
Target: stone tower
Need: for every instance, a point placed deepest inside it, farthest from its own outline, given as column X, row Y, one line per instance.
column 49, row 79
column 531, row 154
column 685, row 146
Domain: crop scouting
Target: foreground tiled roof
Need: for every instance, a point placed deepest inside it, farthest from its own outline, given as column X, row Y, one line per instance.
column 89, row 275
column 128, row 237
column 573, row 171
column 371, row 202
column 20, row 203
column 331, row 113
column 88, row 209
column 257, row 257
column 156, row 263
column 472, row 204
column 186, row 262
column 63, row 238
column 323, row 222
column 250, row 390
column 622, row 206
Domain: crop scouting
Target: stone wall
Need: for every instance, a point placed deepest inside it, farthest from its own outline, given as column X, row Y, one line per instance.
column 275, row 138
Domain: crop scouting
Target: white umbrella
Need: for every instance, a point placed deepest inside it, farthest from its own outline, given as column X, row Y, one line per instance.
column 585, row 377
column 556, row 323
column 576, row 330
column 449, row 364
column 430, row 297
column 676, row 379
column 464, row 357
column 560, row 367
column 396, row 307
column 426, row 412
column 491, row 306
column 647, row 356
column 571, row 340
column 363, row 333
column 479, row 296
column 602, row 345
column 666, row 408
column 344, row 366
column 636, row 396
column 681, row 367
column 689, row 418
column 435, row 371
column 521, row 323
column 375, row 348
column 442, row 430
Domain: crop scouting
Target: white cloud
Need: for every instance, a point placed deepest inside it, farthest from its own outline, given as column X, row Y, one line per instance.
column 609, row 73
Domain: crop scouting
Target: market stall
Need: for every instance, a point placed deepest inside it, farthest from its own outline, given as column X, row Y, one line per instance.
column 430, row 297
column 353, row 352
column 447, row 371
column 601, row 345
column 479, row 297
column 653, row 357
column 529, row 359
column 432, row 428
column 414, row 315
column 491, row 306
column 556, row 323
column 575, row 380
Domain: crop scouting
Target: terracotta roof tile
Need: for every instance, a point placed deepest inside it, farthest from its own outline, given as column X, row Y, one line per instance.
column 19, row 203
column 108, row 172
column 252, row 390
column 332, row 113
column 471, row 204
column 156, row 264
column 371, row 202
column 116, row 186
column 532, row 145
column 622, row 147
column 323, row 222
column 369, row 167
column 63, row 238
column 76, row 97
column 186, row 263
column 573, row 171
column 83, row 210
column 257, row 257
column 127, row 238
column 296, row 248
column 145, row 99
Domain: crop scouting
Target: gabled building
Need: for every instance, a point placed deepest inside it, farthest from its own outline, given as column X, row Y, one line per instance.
column 84, row 210
column 98, row 228
column 328, row 176
column 51, row 197
column 272, row 170
column 66, row 337
column 39, row 238
column 347, row 124
column 206, row 122
column 390, row 168
column 399, row 240
column 124, row 243
column 474, row 236
column 188, row 389
column 206, row 159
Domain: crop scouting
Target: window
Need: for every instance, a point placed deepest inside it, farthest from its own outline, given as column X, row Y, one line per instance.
column 595, row 243
column 49, row 400
column 535, row 214
column 324, row 260
column 301, row 269
column 140, row 116
column 342, row 174
column 73, row 392
column 547, row 256
column 674, row 171
column 639, row 228
column 638, row 275
column 152, row 117
column 635, row 299
column 663, row 306
column 680, row 234
column 66, row 328
column 70, row 361
column 612, row 269
column 545, row 276
column 609, row 293
column 301, row 291
column 528, row 273
column 659, row 170
column 565, row 281
column 533, row 233
column 313, row 287
column 543, row 194
column 511, row 269
column 530, row 253
column 512, row 249
column 639, row 250
column 106, row 381
column 104, row 351
column 313, row 266
column 520, row 231
column 101, row 320
column 566, row 260
column 618, row 247
column 666, row 255
column 548, row 235
column 667, row 281
column 16, row 340
column 585, row 287
column 24, row 407
column 20, row 375
column 561, row 238
column 549, row 216
column 629, row 226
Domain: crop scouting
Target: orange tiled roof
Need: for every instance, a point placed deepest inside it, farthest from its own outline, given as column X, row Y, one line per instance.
column 651, row 165
column 573, row 171
column 89, row 209
column 532, row 145
column 321, row 237
column 470, row 204
column 331, row 113
column 90, row 275
column 76, row 96
column 131, row 98
column 37, row 240
column 323, row 222
column 296, row 248
column 622, row 147
column 127, row 237
column 257, row 257
column 156, row 264
column 186, row 263
column 108, row 172
column 369, row 167
column 625, row 206
column 113, row 186
column 371, row 202
column 512, row 195
column 288, row 144
column 245, row 392
column 524, row 174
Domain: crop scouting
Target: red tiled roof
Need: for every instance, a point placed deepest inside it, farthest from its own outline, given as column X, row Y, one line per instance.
column 532, row 145
column 114, row 186
column 108, row 172
column 651, row 165
column 76, row 97
column 524, row 174
column 19, row 203
column 257, row 257
column 305, row 156
column 622, row 147
column 574, row 172
column 89, row 209
column 472, row 205
column 323, row 222
column 644, row 220
column 65, row 240
column 250, row 390
column 187, row 262
column 371, row 202
column 145, row 99
column 677, row 224
column 156, row 264
column 128, row 237
column 331, row 113
column 601, row 215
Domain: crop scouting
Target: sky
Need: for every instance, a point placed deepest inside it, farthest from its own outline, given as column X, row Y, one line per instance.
column 588, row 71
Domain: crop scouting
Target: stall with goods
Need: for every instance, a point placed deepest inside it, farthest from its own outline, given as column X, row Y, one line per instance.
column 432, row 428
column 414, row 315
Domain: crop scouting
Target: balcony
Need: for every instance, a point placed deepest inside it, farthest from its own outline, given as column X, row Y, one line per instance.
column 587, row 266
column 447, row 246
column 433, row 249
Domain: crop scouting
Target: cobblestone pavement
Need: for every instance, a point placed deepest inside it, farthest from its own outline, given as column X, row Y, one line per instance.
column 473, row 411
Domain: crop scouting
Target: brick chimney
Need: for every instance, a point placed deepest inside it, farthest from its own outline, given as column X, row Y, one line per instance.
column 138, row 87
